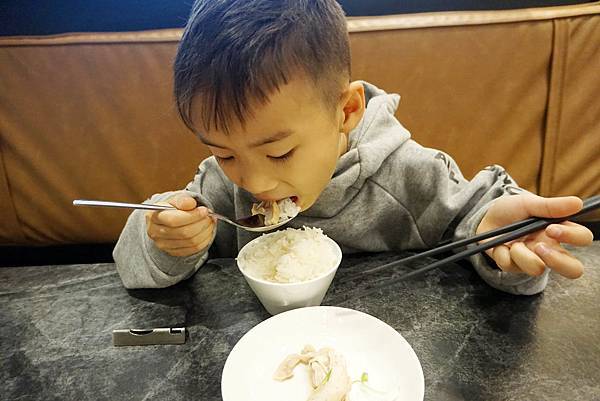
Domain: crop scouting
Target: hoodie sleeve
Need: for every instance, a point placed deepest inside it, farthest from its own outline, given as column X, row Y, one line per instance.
column 444, row 205
column 141, row 264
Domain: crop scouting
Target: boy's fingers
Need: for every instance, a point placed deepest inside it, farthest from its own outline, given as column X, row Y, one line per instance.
column 552, row 207
column 570, row 233
column 178, row 218
column 561, row 262
column 526, row 260
column 161, row 232
column 201, row 242
column 501, row 254
column 183, row 202
column 202, row 238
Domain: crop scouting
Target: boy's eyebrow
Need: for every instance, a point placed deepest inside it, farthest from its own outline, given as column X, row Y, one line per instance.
column 263, row 141
column 273, row 138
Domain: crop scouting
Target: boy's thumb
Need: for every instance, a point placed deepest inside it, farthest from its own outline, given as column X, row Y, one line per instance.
column 184, row 203
column 553, row 207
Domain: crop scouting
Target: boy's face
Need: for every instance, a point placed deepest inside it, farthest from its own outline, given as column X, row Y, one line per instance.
column 289, row 147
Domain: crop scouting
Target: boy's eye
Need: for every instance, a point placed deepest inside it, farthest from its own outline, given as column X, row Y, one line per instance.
column 282, row 158
column 223, row 159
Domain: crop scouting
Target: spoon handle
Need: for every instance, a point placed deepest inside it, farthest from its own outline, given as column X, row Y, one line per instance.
column 145, row 206
column 98, row 203
column 247, row 223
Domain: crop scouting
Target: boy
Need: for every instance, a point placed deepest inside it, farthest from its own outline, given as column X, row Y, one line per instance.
column 265, row 84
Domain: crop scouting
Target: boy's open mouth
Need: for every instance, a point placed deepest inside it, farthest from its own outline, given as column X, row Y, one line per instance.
column 276, row 212
column 292, row 198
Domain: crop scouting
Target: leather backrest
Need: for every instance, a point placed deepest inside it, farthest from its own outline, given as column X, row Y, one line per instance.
column 92, row 116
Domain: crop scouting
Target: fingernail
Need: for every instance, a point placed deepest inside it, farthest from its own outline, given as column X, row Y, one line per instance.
column 554, row 231
column 543, row 250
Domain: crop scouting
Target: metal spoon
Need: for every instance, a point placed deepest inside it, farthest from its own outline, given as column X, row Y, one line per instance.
column 250, row 223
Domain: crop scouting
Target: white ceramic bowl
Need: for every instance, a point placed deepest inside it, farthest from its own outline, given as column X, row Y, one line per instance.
column 368, row 344
column 281, row 297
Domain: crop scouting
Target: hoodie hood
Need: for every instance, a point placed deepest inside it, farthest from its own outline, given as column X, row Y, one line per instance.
column 370, row 143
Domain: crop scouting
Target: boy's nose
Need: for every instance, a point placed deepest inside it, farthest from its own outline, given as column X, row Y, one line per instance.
column 256, row 182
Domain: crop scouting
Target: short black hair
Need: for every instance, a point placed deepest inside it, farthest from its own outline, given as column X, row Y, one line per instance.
column 236, row 51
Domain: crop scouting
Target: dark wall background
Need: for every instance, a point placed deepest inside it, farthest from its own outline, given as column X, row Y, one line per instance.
column 45, row 17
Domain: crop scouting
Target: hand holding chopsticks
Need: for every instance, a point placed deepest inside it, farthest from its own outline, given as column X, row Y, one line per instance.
column 499, row 236
column 540, row 245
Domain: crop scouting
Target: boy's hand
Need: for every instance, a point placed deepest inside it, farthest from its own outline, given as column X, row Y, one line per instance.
column 180, row 232
column 534, row 252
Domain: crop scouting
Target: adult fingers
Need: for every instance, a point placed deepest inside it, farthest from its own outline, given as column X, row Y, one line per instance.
column 570, row 233
column 526, row 260
column 560, row 261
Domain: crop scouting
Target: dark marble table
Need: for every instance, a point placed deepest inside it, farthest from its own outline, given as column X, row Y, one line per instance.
column 474, row 343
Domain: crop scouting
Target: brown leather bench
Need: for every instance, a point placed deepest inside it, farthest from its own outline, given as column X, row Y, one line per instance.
column 91, row 115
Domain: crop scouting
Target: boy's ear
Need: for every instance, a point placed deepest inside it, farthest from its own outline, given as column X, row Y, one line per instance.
column 353, row 106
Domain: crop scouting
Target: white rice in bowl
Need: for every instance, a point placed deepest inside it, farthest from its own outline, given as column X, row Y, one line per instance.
column 289, row 256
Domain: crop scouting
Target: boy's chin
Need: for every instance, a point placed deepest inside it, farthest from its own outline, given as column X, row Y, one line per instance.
column 298, row 202
column 303, row 203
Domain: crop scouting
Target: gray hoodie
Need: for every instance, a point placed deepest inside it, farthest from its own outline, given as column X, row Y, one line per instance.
column 388, row 193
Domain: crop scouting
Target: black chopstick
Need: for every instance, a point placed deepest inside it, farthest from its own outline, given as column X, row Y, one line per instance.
column 513, row 231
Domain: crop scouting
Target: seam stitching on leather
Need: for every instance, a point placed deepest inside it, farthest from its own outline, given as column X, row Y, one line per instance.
column 11, row 199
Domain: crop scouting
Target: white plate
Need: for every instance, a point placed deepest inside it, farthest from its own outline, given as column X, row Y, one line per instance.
column 368, row 344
